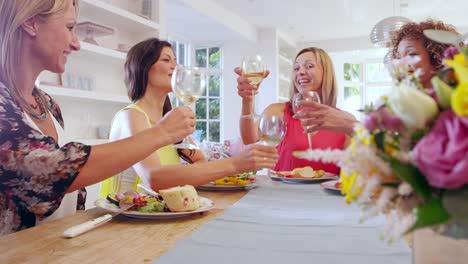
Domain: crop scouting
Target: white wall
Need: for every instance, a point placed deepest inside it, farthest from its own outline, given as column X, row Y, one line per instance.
column 231, row 102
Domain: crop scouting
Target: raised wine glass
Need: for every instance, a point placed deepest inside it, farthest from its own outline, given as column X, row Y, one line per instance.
column 254, row 69
column 188, row 85
column 310, row 96
column 271, row 129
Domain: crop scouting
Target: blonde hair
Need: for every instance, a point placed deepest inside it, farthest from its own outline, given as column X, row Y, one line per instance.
column 13, row 13
column 329, row 89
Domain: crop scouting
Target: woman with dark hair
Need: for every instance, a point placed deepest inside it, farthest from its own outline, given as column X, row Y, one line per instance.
column 312, row 71
column 410, row 41
column 148, row 70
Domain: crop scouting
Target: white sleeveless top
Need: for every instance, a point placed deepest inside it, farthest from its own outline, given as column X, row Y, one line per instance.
column 69, row 201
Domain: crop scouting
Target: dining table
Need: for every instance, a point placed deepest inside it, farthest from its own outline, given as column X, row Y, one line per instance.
column 272, row 223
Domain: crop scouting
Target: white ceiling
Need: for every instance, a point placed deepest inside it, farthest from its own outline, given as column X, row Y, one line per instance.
column 186, row 22
column 312, row 20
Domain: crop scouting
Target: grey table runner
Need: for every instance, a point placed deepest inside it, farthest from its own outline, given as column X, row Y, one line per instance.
column 288, row 223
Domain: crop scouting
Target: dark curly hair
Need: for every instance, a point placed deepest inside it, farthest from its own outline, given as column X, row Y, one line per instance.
column 415, row 31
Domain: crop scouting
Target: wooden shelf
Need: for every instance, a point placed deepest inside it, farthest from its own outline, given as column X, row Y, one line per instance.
column 83, row 95
column 98, row 50
column 116, row 17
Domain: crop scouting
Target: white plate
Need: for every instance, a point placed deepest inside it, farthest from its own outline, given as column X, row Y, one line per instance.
column 206, row 204
column 217, row 187
column 327, row 177
column 330, row 186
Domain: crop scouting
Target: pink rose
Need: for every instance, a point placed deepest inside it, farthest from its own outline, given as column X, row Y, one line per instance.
column 442, row 154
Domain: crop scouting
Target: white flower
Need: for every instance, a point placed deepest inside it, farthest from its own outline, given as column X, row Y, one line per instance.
column 412, row 106
column 383, row 202
column 405, row 189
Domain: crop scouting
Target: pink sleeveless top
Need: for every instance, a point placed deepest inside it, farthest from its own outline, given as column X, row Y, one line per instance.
column 295, row 139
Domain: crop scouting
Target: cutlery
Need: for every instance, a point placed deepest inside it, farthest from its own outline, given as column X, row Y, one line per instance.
column 148, row 190
column 91, row 224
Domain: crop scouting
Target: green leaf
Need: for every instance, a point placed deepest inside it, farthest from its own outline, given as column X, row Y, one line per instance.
column 380, row 140
column 455, row 201
column 429, row 214
column 410, row 174
column 417, row 135
column 391, row 184
column 443, row 92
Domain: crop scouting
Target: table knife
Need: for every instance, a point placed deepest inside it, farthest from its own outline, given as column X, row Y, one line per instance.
column 91, row 224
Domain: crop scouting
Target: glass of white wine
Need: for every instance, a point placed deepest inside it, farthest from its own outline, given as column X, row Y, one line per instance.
column 310, row 96
column 188, row 85
column 271, row 129
column 254, row 69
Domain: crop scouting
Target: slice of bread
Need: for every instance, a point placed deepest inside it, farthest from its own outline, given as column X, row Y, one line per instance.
column 181, row 198
column 306, row 172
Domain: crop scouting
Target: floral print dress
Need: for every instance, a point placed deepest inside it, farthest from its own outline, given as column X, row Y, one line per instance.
column 34, row 171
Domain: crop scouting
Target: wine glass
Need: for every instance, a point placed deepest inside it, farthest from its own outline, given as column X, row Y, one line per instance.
column 309, row 96
column 254, row 69
column 271, row 129
column 188, row 85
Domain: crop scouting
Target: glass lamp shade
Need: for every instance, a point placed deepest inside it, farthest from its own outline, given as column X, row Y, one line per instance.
column 387, row 58
column 381, row 33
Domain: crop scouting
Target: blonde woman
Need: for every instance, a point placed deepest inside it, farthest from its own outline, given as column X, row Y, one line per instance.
column 37, row 166
column 312, row 71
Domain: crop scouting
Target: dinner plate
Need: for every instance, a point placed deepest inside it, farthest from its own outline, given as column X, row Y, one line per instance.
column 219, row 187
column 330, row 186
column 276, row 176
column 206, row 205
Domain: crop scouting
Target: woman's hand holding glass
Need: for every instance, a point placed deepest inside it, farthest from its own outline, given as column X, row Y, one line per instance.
column 178, row 123
column 271, row 129
column 254, row 70
column 256, row 157
column 188, row 85
column 244, row 88
column 316, row 116
column 299, row 108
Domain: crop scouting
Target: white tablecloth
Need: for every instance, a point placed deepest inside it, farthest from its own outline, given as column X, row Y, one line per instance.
column 288, row 223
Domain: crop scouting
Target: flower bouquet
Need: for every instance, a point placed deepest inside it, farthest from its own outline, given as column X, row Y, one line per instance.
column 409, row 159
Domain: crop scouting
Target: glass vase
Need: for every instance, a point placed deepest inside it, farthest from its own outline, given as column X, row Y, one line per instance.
column 430, row 247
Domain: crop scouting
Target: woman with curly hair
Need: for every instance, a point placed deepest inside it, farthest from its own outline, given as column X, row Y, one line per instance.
column 410, row 40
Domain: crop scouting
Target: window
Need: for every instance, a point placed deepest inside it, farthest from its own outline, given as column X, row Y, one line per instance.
column 352, row 88
column 208, row 106
column 364, row 84
column 181, row 51
column 378, row 82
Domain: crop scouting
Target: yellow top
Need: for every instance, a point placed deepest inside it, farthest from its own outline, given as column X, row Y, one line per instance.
column 167, row 155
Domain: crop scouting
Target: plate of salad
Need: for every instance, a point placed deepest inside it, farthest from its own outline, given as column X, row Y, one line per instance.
column 148, row 206
column 238, row 182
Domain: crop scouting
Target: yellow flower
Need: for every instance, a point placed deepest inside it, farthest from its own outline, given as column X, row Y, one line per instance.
column 348, row 187
column 460, row 99
column 460, row 65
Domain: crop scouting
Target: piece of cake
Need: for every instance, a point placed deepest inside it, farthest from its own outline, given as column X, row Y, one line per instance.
column 181, row 198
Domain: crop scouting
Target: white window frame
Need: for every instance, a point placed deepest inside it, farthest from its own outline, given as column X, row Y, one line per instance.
column 210, row 72
column 364, row 84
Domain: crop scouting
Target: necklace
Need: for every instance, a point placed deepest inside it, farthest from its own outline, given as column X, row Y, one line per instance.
column 36, row 105
column 30, row 109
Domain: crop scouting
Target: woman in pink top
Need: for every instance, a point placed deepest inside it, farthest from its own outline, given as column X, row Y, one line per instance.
column 312, row 71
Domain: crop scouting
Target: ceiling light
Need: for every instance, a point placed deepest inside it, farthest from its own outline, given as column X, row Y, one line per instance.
column 381, row 33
